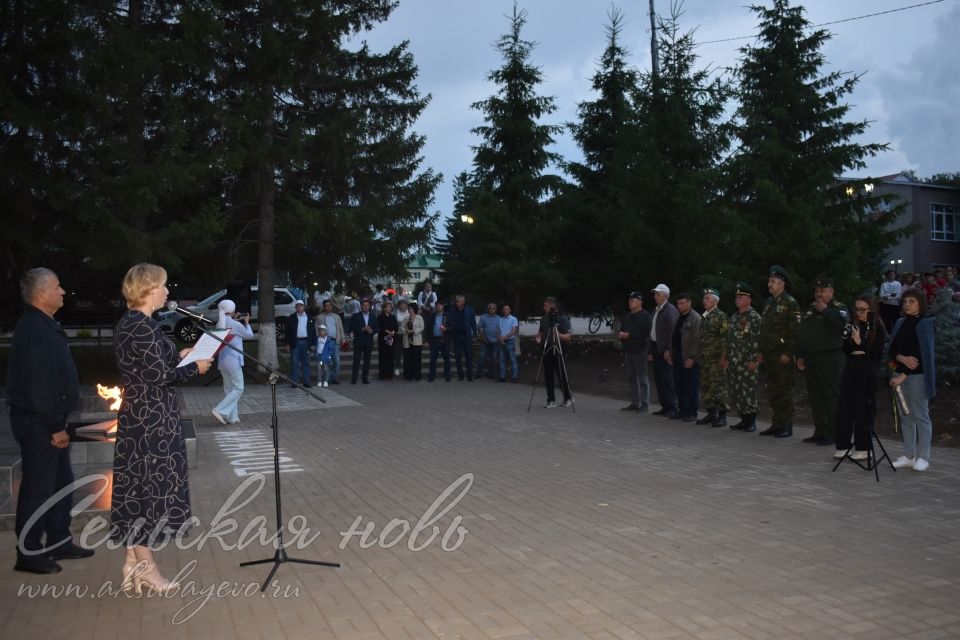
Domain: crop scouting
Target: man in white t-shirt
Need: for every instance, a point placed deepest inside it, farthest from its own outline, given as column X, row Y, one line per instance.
column 890, row 290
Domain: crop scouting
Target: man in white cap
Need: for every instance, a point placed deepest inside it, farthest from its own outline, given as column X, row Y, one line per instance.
column 661, row 334
column 301, row 340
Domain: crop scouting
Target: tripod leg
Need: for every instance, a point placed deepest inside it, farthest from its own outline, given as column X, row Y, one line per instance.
column 536, row 381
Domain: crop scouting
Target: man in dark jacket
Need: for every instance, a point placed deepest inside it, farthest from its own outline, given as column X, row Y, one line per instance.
column 363, row 326
column 462, row 327
column 42, row 389
column 661, row 336
column 635, row 336
column 301, row 341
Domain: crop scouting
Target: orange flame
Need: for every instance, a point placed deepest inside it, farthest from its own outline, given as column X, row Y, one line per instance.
column 110, row 393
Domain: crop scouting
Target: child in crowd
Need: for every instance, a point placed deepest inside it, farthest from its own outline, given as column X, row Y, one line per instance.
column 325, row 349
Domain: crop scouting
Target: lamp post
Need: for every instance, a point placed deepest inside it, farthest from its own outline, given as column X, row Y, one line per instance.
column 466, row 218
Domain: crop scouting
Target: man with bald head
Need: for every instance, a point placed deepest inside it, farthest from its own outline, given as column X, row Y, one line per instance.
column 42, row 389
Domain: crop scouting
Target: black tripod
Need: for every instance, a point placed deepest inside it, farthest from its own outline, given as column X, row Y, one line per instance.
column 872, row 463
column 552, row 346
column 280, row 555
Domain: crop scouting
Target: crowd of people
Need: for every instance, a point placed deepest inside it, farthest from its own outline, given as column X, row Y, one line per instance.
column 929, row 282
column 717, row 359
column 400, row 326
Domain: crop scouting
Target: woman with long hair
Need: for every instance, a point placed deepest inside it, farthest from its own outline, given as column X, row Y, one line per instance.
column 151, row 494
column 911, row 357
column 863, row 348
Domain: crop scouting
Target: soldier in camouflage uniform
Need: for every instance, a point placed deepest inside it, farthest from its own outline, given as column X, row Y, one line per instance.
column 820, row 357
column 743, row 350
column 778, row 337
column 713, row 348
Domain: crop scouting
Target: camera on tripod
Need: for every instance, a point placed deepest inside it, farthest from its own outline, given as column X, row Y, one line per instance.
column 554, row 317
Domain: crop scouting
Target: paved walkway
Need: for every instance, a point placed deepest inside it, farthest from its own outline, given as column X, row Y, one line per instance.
column 594, row 524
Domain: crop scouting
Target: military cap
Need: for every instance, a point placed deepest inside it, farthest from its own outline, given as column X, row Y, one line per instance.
column 776, row 271
column 711, row 291
column 743, row 289
column 823, row 282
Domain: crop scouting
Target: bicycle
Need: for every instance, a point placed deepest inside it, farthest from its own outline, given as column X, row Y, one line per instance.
column 599, row 319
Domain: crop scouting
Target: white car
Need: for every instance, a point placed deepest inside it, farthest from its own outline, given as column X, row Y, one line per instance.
column 186, row 330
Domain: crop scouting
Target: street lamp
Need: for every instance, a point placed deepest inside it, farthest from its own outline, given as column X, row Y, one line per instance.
column 868, row 188
column 466, row 218
column 850, row 191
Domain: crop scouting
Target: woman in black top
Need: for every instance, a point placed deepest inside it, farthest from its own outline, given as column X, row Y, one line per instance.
column 858, row 384
column 385, row 338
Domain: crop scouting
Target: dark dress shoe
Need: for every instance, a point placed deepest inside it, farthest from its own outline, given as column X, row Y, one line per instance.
column 36, row 564
column 334, row 382
column 769, row 432
column 671, row 415
column 825, row 441
column 630, row 407
column 812, row 439
column 783, row 432
column 707, row 419
column 660, row 412
column 69, row 551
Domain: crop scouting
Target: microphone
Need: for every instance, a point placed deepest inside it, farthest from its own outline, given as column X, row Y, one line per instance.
column 172, row 306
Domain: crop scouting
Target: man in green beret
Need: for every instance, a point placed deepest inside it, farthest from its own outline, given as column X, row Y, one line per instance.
column 778, row 337
column 742, row 361
column 820, row 357
column 713, row 351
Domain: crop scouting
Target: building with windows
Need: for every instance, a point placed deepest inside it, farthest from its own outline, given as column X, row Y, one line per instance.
column 935, row 210
column 426, row 266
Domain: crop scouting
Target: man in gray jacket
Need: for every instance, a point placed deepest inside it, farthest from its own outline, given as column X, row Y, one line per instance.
column 661, row 335
column 685, row 358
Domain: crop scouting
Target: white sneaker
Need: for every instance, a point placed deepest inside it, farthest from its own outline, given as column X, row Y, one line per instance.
column 219, row 416
column 903, row 462
column 567, row 403
column 319, row 384
column 550, row 405
column 921, row 465
column 860, row 455
column 839, row 453
column 326, row 384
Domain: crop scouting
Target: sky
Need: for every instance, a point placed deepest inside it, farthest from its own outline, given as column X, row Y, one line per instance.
column 909, row 61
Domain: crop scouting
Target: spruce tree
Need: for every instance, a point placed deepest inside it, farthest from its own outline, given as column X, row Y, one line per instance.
column 509, row 182
column 592, row 215
column 795, row 142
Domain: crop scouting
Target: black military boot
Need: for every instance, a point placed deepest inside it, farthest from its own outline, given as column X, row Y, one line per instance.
column 784, row 432
column 709, row 418
column 751, row 424
column 772, row 429
column 744, row 421
column 721, row 420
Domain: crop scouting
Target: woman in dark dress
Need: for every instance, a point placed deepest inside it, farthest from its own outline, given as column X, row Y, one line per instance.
column 151, row 497
column 857, row 407
column 385, row 338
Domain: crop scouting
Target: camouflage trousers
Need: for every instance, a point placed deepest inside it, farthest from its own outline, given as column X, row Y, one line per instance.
column 713, row 385
column 743, row 387
column 780, row 382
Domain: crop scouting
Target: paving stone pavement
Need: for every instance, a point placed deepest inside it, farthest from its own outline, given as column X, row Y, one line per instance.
column 589, row 524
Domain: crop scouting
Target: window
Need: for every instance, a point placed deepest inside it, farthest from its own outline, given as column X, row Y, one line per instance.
column 416, row 275
column 281, row 297
column 943, row 222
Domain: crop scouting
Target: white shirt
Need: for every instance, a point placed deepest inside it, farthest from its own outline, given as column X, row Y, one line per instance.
column 301, row 325
column 653, row 328
column 890, row 292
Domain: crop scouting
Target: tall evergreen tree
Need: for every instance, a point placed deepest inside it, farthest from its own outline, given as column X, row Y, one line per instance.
column 788, row 206
column 683, row 137
column 592, row 215
column 509, row 182
column 317, row 135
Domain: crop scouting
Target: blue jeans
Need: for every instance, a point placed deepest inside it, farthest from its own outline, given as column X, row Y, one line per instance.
column 301, row 362
column 232, row 374
column 508, row 350
column 333, row 367
column 917, row 428
column 488, row 351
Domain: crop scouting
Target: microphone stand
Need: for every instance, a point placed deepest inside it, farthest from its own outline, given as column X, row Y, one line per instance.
column 280, row 554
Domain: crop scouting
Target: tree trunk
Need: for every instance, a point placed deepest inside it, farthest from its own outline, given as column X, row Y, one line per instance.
column 268, row 328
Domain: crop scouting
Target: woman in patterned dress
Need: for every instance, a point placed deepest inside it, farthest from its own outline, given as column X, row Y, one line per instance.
column 151, row 497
